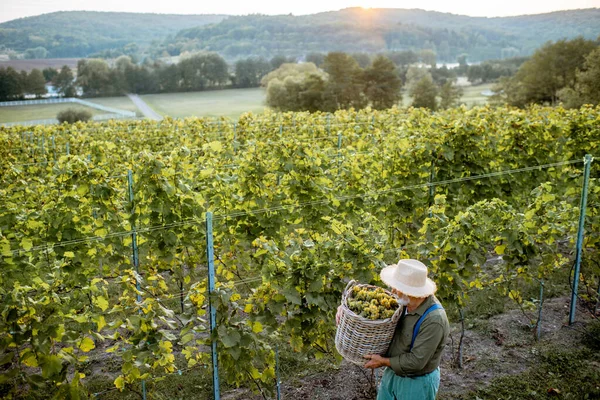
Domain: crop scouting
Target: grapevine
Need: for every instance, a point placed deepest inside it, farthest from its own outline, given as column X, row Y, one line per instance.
column 302, row 203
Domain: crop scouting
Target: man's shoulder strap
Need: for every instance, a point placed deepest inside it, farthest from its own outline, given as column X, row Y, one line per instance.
column 433, row 307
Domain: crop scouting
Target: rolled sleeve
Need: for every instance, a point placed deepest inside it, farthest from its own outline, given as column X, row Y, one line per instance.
column 430, row 336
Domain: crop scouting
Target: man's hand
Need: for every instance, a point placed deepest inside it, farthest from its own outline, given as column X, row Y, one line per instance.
column 338, row 315
column 376, row 361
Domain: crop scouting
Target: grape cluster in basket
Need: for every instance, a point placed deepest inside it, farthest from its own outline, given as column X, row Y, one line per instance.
column 372, row 303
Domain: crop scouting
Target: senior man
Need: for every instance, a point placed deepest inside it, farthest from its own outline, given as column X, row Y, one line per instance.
column 413, row 358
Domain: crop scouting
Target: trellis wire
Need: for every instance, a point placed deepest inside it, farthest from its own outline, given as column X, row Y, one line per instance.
column 302, row 204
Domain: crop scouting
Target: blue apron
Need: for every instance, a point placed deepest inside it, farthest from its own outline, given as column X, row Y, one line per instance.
column 394, row 387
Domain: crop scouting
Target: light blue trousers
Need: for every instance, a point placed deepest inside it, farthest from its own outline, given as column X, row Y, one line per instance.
column 394, row 387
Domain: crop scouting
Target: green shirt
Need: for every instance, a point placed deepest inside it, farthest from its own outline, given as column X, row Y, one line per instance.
column 429, row 344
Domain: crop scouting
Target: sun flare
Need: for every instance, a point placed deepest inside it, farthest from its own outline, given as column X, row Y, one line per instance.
column 366, row 5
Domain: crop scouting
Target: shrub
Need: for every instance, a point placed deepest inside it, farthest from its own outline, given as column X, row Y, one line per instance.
column 592, row 337
column 72, row 115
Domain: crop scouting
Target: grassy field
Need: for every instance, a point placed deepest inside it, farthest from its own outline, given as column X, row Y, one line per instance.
column 215, row 103
column 46, row 111
column 233, row 102
column 471, row 96
column 42, row 111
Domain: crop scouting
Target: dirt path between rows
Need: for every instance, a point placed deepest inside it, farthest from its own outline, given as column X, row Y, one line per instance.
column 144, row 108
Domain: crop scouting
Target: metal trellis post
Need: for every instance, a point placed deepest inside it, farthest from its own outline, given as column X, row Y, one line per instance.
column 539, row 321
column 598, row 300
column 586, row 181
column 280, row 126
column 134, row 247
column 213, row 312
column 277, row 372
column 372, row 129
column 431, row 186
column 339, row 144
column 234, row 137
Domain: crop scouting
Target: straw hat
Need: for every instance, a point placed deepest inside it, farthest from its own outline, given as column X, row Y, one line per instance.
column 409, row 277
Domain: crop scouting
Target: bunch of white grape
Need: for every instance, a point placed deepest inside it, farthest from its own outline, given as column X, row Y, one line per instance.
column 372, row 303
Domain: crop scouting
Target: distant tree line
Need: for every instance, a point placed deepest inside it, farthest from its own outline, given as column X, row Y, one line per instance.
column 566, row 71
column 485, row 72
column 338, row 81
column 341, row 83
column 194, row 72
column 96, row 78
column 16, row 85
column 490, row 70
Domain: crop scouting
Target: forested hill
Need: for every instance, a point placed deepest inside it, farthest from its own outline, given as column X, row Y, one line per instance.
column 86, row 33
column 81, row 33
column 376, row 30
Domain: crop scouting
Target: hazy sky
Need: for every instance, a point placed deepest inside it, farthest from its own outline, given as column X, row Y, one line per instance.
column 11, row 9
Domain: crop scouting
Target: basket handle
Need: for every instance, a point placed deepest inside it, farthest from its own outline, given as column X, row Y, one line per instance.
column 398, row 313
column 345, row 292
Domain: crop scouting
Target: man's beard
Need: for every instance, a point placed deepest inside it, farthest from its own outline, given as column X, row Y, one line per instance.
column 403, row 300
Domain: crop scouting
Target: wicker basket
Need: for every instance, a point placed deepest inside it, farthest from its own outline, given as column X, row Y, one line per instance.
column 357, row 336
